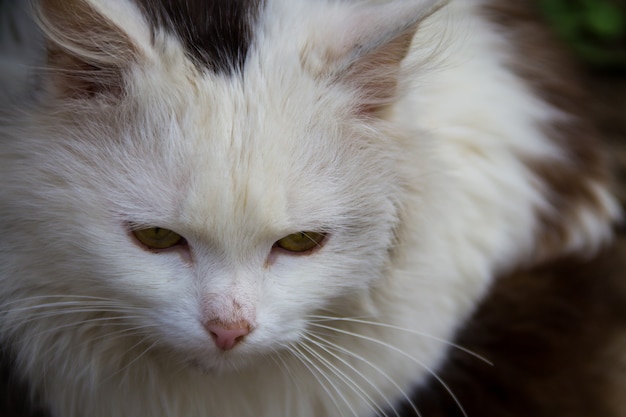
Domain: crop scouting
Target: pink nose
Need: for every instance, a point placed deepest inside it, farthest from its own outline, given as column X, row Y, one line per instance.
column 227, row 335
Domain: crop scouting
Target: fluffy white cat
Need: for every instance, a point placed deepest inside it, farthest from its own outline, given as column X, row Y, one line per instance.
column 275, row 207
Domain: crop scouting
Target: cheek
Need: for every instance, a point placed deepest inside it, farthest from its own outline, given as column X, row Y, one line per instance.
column 153, row 279
column 293, row 295
column 299, row 287
column 156, row 288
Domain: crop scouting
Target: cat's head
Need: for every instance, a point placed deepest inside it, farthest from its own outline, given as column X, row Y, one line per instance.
column 209, row 185
column 212, row 195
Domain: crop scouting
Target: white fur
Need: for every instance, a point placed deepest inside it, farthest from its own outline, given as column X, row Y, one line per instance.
column 422, row 210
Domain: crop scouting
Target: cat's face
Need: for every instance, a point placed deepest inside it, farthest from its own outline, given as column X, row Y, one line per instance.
column 208, row 212
column 240, row 170
column 233, row 170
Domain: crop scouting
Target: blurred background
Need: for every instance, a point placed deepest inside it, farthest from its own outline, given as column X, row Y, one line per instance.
column 595, row 31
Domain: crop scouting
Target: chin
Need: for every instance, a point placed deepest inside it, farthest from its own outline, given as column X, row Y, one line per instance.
column 219, row 363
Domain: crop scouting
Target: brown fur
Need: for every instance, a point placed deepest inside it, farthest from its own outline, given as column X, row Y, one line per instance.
column 557, row 339
column 556, row 334
column 545, row 66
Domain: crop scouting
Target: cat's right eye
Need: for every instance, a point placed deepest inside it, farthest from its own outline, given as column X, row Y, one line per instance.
column 157, row 238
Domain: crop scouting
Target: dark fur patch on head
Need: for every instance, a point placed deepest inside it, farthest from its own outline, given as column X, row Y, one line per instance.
column 216, row 34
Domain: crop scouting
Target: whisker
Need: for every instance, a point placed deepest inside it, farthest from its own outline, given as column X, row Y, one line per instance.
column 126, row 330
column 124, row 333
column 409, row 331
column 108, row 321
column 110, row 336
column 56, row 313
column 70, row 306
column 401, row 352
column 39, row 297
column 128, row 365
column 62, row 313
column 373, row 366
column 349, row 382
column 324, row 345
column 284, row 366
column 312, row 369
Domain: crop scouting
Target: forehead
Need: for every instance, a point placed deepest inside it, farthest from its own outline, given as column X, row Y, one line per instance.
column 253, row 153
column 255, row 142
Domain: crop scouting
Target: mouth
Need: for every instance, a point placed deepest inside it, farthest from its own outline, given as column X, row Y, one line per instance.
column 221, row 362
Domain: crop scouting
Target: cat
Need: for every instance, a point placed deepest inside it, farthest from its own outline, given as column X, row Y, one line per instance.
column 279, row 208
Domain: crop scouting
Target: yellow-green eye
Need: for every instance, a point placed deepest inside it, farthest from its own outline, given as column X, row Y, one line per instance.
column 158, row 238
column 301, row 241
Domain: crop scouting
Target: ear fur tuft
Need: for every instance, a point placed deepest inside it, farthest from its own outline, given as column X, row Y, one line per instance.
column 87, row 49
column 366, row 46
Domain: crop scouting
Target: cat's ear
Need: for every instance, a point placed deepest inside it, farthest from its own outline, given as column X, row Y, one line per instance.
column 364, row 48
column 90, row 43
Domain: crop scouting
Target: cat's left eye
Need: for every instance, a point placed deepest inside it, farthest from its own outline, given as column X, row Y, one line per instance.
column 301, row 242
column 158, row 238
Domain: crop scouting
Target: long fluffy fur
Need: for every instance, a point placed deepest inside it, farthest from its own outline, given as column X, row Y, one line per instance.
column 427, row 194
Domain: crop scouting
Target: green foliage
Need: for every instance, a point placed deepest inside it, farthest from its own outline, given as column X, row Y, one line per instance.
column 596, row 29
